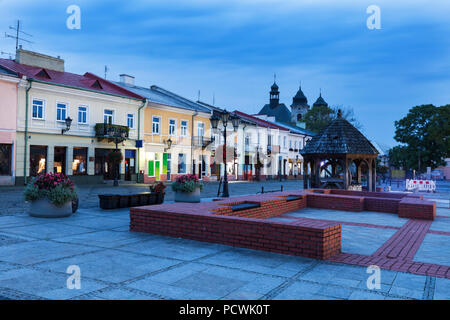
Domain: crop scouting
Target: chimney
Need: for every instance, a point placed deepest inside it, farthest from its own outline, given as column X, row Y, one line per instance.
column 39, row 60
column 127, row 79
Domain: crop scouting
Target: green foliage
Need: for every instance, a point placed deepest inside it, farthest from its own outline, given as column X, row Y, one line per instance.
column 424, row 133
column 31, row 191
column 59, row 195
column 319, row 117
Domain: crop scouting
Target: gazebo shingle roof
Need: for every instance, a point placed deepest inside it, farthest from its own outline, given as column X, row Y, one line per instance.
column 339, row 137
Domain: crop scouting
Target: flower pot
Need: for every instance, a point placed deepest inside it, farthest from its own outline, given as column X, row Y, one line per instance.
column 109, row 201
column 152, row 198
column 188, row 196
column 43, row 208
column 160, row 197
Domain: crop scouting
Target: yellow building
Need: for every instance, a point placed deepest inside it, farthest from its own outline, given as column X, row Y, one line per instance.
column 176, row 134
column 62, row 120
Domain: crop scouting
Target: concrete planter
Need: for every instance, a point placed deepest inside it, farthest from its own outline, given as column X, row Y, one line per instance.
column 43, row 208
column 188, row 196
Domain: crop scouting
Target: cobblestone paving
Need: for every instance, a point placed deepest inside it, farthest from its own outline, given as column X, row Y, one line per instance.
column 117, row 264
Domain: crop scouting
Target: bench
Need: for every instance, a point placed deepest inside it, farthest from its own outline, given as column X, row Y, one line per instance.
column 293, row 198
column 245, row 206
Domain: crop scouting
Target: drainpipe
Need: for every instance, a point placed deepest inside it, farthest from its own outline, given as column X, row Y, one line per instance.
column 144, row 101
column 30, row 82
column 192, row 142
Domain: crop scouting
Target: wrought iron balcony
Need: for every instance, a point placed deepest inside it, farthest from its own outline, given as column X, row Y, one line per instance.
column 111, row 131
column 200, row 141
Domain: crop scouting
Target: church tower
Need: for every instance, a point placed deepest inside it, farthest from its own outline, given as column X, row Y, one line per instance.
column 299, row 108
column 274, row 95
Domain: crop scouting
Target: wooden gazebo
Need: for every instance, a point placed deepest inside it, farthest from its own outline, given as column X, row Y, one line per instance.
column 340, row 157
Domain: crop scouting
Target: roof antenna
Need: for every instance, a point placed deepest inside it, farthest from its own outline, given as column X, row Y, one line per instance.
column 106, row 70
column 274, row 78
column 17, row 36
column 198, row 99
column 214, row 99
column 320, row 90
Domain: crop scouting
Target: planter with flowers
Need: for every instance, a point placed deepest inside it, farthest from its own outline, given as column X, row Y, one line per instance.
column 51, row 195
column 157, row 193
column 187, row 188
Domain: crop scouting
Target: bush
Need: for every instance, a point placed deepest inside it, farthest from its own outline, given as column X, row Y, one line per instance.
column 57, row 188
column 187, row 183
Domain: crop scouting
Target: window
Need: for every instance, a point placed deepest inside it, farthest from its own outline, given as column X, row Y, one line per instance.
column 5, row 159
column 284, row 142
column 184, row 128
column 200, row 129
column 108, row 116
column 82, row 114
column 290, row 144
column 172, row 127
column 38, row 160
column 269, row 140
column 295, row 144
column 130, row 120
column 181, row 163
column 155, row 124
column 61, row 109
column 79, row 164
column 38, row 109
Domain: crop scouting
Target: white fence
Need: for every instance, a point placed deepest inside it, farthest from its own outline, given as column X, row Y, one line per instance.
column 421, row 185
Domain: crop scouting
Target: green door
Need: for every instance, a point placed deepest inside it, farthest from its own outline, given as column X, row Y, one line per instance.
column 157, row 172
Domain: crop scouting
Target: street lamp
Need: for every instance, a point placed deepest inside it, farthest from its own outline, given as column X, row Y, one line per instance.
column 225, row 117
column 68, row 122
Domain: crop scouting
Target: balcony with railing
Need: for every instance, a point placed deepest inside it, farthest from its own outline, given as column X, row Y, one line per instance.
column 111, row 131
column 202, row 142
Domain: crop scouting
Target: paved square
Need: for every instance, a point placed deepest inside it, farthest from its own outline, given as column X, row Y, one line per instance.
column 118, row 264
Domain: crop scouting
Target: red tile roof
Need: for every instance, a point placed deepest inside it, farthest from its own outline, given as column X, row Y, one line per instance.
column 85, row 81
column 260, row 122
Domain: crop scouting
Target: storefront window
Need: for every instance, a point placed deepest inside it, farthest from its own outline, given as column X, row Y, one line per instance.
column 5, row 159
column 79, row 164
column 181, row 163
column 38, row 160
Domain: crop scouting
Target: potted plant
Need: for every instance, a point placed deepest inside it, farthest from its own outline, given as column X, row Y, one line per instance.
column 187, row 188
column 51, row 195
column 157, row 193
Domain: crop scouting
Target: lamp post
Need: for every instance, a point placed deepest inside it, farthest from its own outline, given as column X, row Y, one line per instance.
column 225, row 117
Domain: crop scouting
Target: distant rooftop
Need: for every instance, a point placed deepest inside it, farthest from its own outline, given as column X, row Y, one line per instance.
column 162, row 96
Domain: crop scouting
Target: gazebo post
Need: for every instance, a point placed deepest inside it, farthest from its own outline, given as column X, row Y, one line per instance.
column 369, row 184
column 345, row 173
column 374, row 172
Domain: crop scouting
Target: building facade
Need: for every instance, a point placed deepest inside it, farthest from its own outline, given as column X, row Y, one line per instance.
column 177, row 134
column 9, row 83
column 64, row 121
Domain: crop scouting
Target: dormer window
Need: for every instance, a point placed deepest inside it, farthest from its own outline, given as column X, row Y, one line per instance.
column 43, row 74
column 97, row 85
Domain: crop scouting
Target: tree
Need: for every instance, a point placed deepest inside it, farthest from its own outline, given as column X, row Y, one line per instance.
column 425, row 133
column 319, row 117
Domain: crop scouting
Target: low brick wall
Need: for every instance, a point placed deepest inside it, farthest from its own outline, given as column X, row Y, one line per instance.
column 314, row 239
column 336, row 202
column 381, row 204
column 417, row 209
column 216, row 221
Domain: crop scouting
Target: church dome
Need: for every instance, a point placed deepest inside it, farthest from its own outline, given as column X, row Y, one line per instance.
column 320, row 101
column 299, row 98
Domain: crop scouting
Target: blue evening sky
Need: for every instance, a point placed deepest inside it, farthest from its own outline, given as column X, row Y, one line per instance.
column 231, row 49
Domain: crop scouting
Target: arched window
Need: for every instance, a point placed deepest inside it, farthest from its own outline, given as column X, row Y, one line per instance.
column 299, row 117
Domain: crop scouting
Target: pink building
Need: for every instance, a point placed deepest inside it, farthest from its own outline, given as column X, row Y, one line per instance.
column 8, row 122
